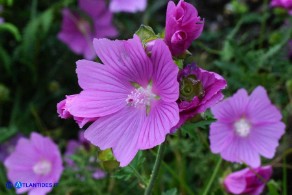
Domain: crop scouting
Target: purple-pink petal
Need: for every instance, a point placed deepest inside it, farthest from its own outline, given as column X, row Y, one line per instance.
column 164, row 70
column 128, row 5
column 161, row 118
column 36, row 160
column 126, row 60
column 183, row 25
column 119, row 131
column 248, row 181
column 78, row 31
column 246, row 127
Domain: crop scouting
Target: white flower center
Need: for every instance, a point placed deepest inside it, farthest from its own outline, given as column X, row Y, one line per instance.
column 43, row 167
column 141, row 97
column 242, row 127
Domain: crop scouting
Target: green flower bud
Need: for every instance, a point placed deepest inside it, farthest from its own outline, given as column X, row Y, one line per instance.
column 191, row 87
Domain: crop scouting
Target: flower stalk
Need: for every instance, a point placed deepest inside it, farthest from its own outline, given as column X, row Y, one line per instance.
column 155, row 169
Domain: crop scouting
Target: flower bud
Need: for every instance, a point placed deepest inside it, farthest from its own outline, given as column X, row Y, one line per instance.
column 183, row 25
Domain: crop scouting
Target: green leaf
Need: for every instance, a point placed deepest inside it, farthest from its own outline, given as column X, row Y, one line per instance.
column 146, row 34
column 273, row 188
column 179, row 62
column 131, row 170
column 12, row 29
column 6, row 133
column 170, row 192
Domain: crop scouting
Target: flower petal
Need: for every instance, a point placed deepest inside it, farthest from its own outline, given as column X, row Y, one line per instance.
column 221, row 136
column 235, row 183
column 93, row 103
column 162, row 117
column 232, row 108
column 260, row 109
column 128, row 5
column 265, row 138
column 164, row 71
column 241, row 151
column 92, row 75
column 119, row 131
column 126, row 59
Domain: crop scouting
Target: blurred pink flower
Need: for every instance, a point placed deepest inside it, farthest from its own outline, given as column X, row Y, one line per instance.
column 62, row 109
column 128, row 5
column 246, row 127
column 133, row 95
column 183, row 25
column 286, row 4
column 37, row 160
column 72, row 148
column 8, row 146
column 247, row 181
column 79, row 28
column 199, row 90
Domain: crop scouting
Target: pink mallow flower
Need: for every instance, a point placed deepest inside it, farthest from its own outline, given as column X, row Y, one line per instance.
column 247, row 181
column 133, row 95
column 62, row 109
column 285, row 4
column 199, row 90
column 80, row 27
column 128, row 5
column 35, row 160
column 183, row 25
column 246, row 127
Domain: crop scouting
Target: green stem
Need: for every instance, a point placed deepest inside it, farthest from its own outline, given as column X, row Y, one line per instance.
column 207, row 188
column 155, row 169
column 284, row 176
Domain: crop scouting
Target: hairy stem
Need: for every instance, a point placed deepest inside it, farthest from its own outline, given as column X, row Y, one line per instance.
column 155, row 169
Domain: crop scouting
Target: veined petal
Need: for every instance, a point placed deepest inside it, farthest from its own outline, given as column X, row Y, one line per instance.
column 221, row 135
column 232, row 108
column 94, row 103
column 119, row 131
column 164, row 72
column 92, row 75
column 162, row 117
column 125, row 59
column 265, row 138
column 241, row 152
column 260, row 109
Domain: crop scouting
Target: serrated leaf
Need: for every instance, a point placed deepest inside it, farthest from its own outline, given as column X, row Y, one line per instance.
column 146, row 34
